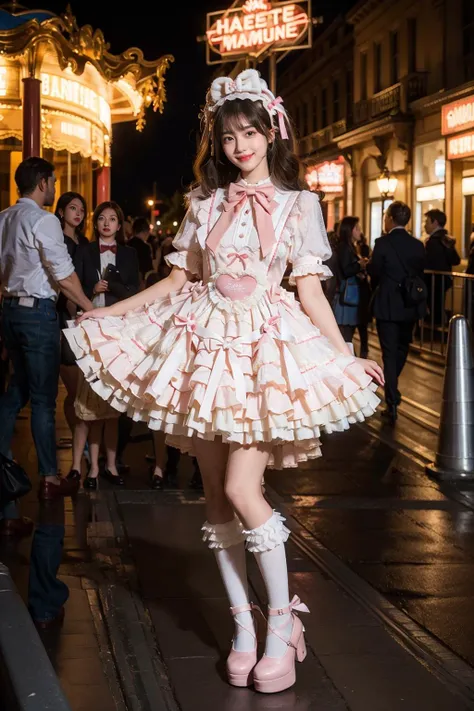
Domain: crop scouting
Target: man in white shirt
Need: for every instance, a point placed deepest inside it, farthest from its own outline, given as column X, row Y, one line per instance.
column 34, row 265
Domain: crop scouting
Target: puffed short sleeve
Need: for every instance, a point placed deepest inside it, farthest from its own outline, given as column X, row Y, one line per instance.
column 310, row 245
column 188, row 255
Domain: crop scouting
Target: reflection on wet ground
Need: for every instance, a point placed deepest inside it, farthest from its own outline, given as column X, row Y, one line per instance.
column 127, row 565
column 47, row 594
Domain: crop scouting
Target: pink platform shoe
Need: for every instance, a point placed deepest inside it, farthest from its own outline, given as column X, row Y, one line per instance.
column 240, row 664
column 277, row 674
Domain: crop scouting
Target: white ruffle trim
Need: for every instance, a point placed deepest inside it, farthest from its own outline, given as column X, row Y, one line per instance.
column 186, row 259
column 223, row 535
column 320, row 269
column 267, row 536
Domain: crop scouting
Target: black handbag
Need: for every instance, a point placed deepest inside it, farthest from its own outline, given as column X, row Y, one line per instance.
column 112, row 274
column 14, row 481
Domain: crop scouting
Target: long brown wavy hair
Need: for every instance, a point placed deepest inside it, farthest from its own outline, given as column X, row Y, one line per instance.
column 62, row 204
column 212, row 168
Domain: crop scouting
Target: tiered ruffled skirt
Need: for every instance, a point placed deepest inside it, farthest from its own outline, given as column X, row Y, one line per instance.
column 191, row 365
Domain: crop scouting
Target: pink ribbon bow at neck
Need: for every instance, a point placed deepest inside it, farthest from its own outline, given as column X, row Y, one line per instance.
column 263, row 204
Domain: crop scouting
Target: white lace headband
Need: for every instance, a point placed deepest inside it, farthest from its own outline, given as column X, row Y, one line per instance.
column 247, row 85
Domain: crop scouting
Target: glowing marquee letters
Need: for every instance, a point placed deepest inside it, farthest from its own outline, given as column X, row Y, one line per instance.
column 72, row 92
column 255, row 27
column 328, row 176
column 460, row 146
column 457, row 116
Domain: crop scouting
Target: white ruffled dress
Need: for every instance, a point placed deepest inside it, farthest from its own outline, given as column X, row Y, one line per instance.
column 232, row 354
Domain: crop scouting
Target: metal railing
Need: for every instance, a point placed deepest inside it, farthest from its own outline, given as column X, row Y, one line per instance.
column 321, row 139
column 392, row 100
column 449, row 294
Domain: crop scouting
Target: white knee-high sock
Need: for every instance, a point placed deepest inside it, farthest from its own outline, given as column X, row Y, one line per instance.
column 227, row 541
column 267, row 542
column 233, row 569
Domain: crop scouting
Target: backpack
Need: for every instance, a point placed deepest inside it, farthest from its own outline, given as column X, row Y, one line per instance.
column 412, row 287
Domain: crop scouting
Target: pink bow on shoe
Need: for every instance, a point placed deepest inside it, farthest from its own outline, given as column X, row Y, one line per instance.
column 297, row 605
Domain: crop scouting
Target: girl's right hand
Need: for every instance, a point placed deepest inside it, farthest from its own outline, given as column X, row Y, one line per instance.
column 95, row 313
column 101, row 287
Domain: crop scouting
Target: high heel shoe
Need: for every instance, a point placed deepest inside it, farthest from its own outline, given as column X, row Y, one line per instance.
column 115, row 479
column 240, row 664
column 273, row 674
column 156, row 481
column 90, row 482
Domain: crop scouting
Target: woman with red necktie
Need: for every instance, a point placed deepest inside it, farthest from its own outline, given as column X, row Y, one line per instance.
column 108, row 271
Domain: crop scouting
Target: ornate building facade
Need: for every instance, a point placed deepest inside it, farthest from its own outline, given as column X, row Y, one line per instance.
column 61, row 92
column 404, row 128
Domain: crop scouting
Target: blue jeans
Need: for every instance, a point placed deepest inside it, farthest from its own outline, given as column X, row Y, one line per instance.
column 31, row 336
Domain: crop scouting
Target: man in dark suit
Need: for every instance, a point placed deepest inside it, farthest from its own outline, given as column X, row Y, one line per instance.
column 141, row 232
column 441, row 256
column 396, row 255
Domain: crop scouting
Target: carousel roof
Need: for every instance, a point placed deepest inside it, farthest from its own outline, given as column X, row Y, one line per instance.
column 32, row 33
column 9, row 21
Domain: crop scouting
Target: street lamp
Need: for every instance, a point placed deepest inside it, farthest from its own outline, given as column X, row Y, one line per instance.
column 151, row 205
column 175, row 224
column 386, row 184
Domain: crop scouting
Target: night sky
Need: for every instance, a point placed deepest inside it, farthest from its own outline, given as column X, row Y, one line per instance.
column 165, row 150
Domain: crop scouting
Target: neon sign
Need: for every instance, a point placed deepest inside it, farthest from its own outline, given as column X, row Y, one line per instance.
column 258, row 26
column 461, row 146
column 72, row 92
column 328, row 177
column 457, row 116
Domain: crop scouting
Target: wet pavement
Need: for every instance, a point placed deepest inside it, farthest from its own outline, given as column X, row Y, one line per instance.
column 382, row 555
column 394, row 527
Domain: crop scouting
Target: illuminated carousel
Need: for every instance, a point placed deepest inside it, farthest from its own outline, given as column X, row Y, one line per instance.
column 61, row 92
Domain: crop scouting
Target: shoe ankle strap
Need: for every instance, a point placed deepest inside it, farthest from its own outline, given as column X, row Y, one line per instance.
column 295, row 604
column 250, row 607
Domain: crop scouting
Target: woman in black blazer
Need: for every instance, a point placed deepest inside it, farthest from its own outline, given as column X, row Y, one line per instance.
column 106, row 267
column 71, row 211
column 108, row 271
column 350, row 266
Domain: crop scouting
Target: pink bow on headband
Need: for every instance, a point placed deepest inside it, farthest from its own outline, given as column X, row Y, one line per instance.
column 263, row 205
column 277, row 105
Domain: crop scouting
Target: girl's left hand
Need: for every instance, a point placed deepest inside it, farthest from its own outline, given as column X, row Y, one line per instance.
column 373, row 369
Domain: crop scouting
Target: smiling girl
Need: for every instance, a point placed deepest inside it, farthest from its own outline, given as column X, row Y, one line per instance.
column 226, row 362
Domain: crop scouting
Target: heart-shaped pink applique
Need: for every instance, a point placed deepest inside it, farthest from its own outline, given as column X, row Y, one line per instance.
column 236, row 288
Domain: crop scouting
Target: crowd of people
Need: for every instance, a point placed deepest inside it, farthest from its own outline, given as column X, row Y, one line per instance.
column 35, row 355
column 231, row 366
column 123, row 257
column 369, row 285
